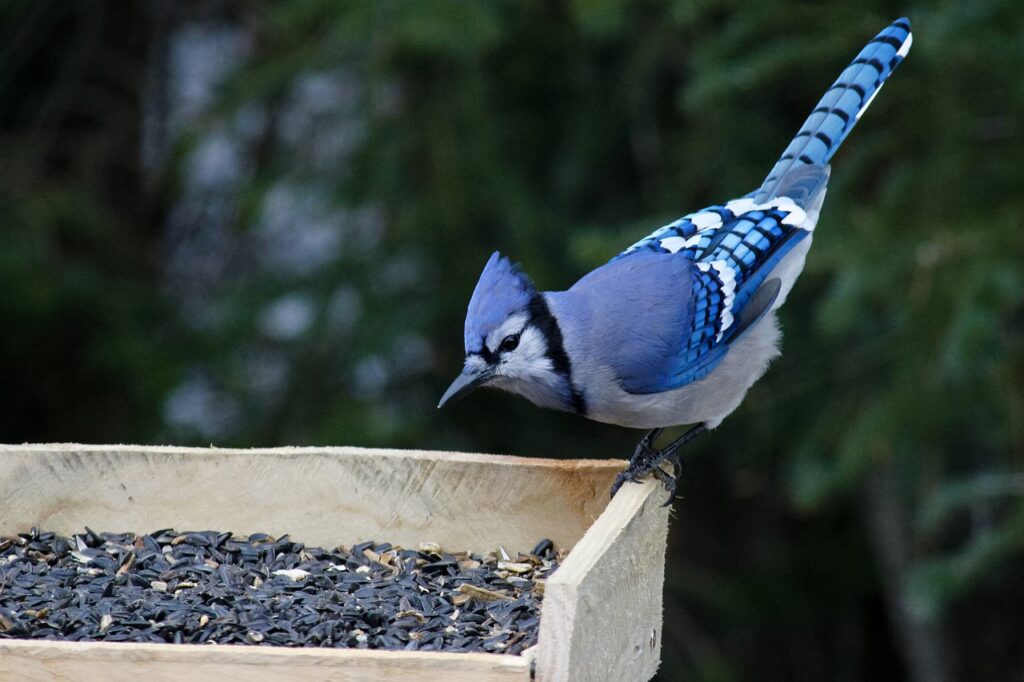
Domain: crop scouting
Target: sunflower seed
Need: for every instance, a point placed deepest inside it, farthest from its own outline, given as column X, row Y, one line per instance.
column 216, row 587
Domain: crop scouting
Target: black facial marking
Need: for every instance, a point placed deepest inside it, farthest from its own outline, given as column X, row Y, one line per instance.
column 542, row 319
column 484, row 352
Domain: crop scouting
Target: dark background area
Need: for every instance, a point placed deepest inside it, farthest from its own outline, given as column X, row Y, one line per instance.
column 260, row 224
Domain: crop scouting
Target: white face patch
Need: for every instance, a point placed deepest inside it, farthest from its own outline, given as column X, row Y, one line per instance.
column 529, row 371
column 475, row 363
column 512, row 325
column 529, row 361
column 530, row 358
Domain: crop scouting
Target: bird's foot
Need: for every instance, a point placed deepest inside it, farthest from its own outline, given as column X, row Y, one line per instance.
column 648, row 460
column 651, row 463
column 637, row 463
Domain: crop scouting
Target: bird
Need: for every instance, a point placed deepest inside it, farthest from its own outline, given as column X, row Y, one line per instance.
column 675, row 329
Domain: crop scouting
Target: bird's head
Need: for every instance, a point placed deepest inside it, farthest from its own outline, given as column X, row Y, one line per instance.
column 509, row 338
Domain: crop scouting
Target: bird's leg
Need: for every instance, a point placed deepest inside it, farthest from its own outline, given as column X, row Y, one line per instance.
column 647, row 460
column 645, row 448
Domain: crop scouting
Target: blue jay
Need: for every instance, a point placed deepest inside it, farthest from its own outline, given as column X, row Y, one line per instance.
column 677, row 327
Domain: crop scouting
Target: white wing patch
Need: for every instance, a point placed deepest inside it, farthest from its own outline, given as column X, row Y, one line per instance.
column 745, row 205
column 677, row 244
column 727, row 276
column 703, row 221
column 796, row 217
column 711, row 220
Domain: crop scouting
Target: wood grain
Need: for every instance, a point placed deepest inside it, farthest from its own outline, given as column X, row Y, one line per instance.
column 602, row 611
column 321, row 496
column 38, row 661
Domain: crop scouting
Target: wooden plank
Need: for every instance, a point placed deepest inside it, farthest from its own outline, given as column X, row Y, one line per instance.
column 602, row 611
column 321, row 496
column 41, row 661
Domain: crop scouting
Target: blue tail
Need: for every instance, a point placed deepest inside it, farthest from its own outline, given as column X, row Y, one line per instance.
column 843, row 104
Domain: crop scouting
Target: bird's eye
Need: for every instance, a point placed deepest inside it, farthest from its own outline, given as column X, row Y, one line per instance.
column 509, row 343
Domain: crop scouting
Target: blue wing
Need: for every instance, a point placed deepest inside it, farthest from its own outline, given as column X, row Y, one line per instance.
column 731, row 257
column 660, row 320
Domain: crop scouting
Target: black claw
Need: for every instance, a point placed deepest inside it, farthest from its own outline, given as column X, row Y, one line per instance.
column 671, row 482
column 646, row 460
column 619, row 480
column 627, row 475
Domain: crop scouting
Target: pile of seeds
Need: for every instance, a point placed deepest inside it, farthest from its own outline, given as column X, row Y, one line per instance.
column 213, row 587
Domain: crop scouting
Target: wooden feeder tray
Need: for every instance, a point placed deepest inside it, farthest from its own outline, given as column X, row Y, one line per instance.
column 602, row 609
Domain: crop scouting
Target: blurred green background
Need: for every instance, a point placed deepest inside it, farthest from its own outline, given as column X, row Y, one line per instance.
column 260, row 223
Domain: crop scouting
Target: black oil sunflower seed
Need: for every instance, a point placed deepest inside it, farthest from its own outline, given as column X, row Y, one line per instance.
column 214, row 586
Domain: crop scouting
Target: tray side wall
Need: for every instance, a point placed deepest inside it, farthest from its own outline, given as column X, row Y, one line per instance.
column 602, row 612
column 320, row 496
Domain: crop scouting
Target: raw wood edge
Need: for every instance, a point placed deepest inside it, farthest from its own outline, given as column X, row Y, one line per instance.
column 44, row 660
column 628, row 536
column 350, row 450
column 592, row 547
column 249, row 654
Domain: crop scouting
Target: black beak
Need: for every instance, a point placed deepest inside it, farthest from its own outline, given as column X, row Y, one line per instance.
column 464, row 384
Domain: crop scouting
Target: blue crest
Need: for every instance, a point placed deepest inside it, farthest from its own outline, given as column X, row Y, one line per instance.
column 502, row 291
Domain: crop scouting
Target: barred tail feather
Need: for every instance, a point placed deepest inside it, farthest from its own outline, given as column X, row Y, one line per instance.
column 843, row 104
